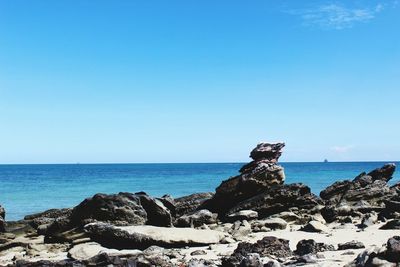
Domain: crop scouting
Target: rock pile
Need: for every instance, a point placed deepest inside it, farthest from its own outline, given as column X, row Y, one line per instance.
column 364, row 194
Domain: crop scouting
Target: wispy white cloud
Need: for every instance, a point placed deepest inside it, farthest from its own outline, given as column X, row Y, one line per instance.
column 337, row 16
column 342, row 149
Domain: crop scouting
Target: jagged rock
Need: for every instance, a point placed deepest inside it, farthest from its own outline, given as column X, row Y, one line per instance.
column 307, row 246
column 315, row 227
column 391, row 225
column 267, row 151
column 367, row 192
column 278, row 199
column 242, row 215
column 43, row 219
column 190, row 203
column 351, row 245
column 268, row 246
column 118, row 209
column 144, row 236
column 196, row 219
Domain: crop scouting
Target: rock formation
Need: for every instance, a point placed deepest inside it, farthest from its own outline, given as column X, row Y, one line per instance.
column 259, row 187
column 365, row 193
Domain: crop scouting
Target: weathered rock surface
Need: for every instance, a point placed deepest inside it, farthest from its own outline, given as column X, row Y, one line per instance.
column 351, row 245
column 268, row 246
column 196, row 219
column 190, row 203
column 271, row 223
column 260, row 188
column 140, row 237
column 365, row 193
column 307, row 246
column 117, row 209
column 242, row 215
column 279, row 198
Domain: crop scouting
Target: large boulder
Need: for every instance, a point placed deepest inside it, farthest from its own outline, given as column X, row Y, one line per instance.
column 365, row 193
column 144, row 236
column 120, row 209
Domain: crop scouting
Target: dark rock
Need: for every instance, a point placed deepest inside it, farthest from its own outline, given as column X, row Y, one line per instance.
column 118, row 209
column 307, row 246
column 259, row 187
column 365, row 193
column 267, row 151
column 157, row 213
column 268, row 246
column 351, row 245
column 47, row 217
column 393, row 249
column 196, row 219
column 279, row 198
column 190, row 203
column 251, row 260
column 391, row 225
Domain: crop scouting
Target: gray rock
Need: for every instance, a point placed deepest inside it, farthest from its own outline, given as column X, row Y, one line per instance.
column 243, row 215
column 251, row 260
column 271, row 223
column 351, row 245
column 196, row 219
column 144, row 236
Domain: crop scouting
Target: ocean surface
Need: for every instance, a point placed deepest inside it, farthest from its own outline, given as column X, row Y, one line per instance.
column 26, row 189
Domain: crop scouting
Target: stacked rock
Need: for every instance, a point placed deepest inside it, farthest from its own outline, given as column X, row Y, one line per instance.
column 263, row 171
column 260, row 187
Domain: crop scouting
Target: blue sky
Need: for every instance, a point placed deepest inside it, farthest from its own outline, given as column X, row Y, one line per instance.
column 198, row 81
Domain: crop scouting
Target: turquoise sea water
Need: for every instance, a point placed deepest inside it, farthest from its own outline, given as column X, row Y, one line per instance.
column 26, row 189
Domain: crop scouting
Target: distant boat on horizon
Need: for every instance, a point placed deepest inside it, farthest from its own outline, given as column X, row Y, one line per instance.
column 326, row 161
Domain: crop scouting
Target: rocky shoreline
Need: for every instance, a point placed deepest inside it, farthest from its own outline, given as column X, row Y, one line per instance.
column 252, row 220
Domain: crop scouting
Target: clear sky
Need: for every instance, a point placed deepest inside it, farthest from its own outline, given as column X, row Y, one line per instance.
column 198, row 81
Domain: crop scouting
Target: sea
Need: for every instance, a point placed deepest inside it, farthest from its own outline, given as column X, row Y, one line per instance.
column 27, row 189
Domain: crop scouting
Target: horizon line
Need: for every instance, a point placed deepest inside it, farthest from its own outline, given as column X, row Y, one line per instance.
column 222, row 162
